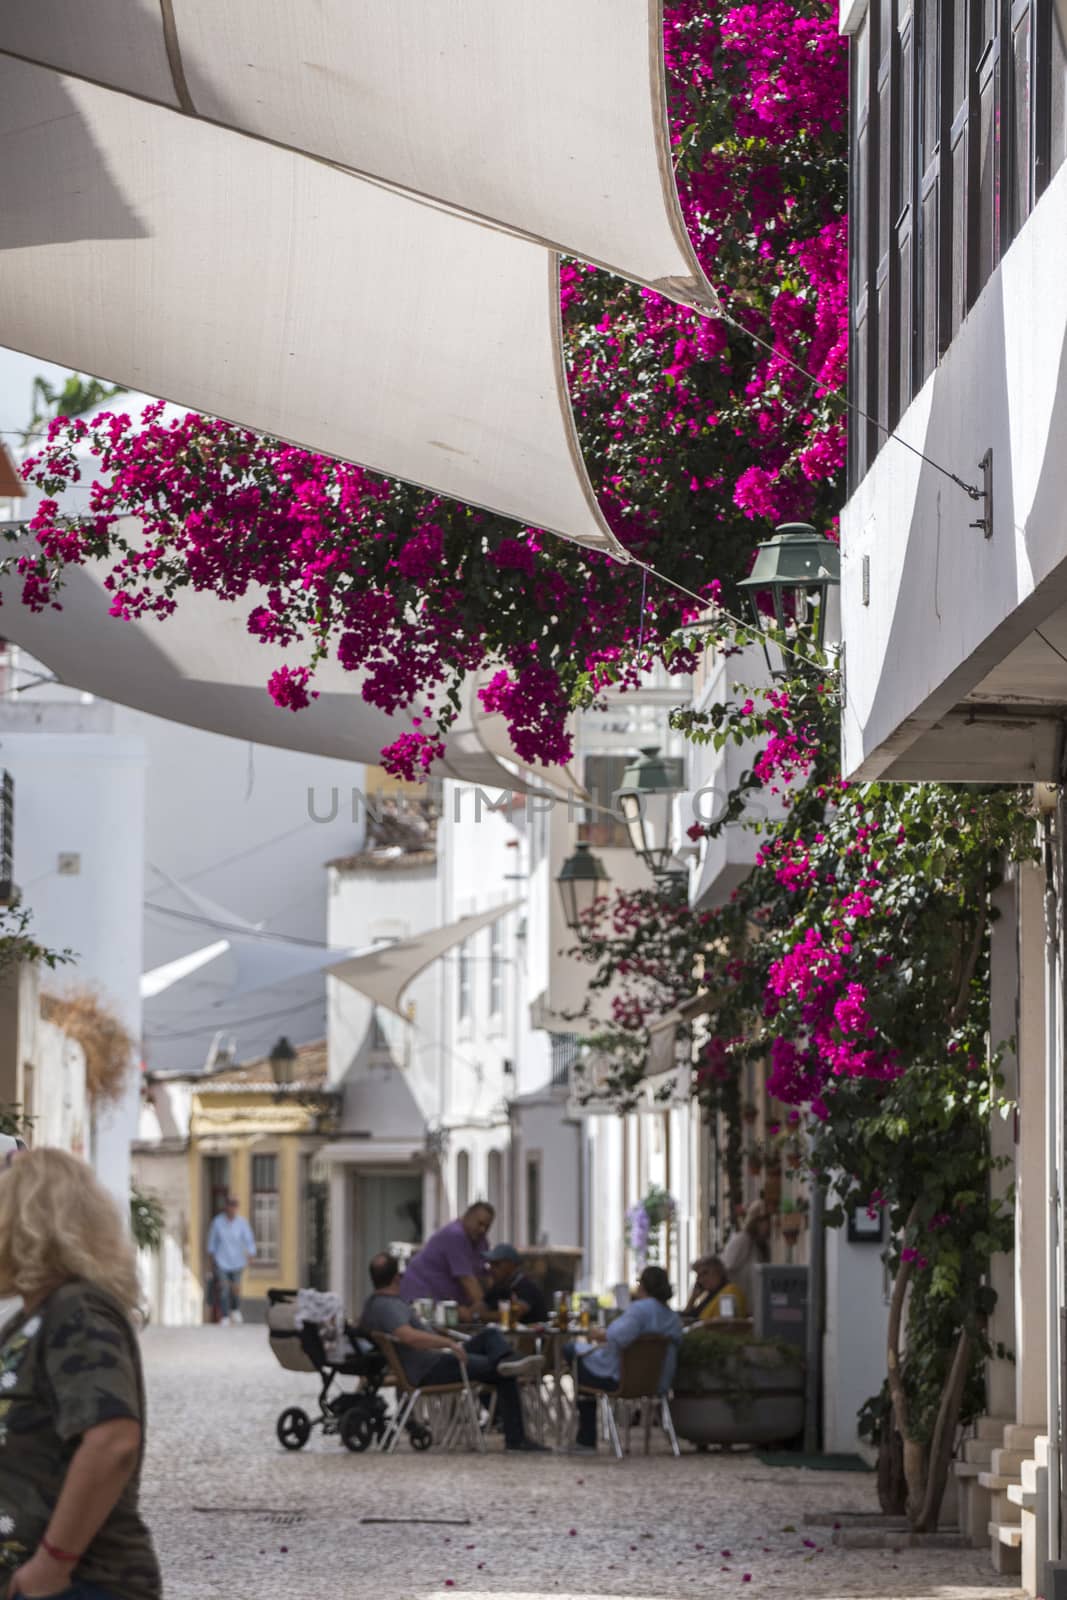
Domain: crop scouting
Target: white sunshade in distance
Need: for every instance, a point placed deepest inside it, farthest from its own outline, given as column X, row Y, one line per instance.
column 548, row 119
column 382, row 975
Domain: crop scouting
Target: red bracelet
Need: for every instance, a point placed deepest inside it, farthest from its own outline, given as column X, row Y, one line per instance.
column 57, row 1554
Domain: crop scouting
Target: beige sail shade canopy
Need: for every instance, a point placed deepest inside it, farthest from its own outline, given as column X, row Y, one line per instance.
column 202, row 202
column 382, row 975
column 278, row 292
column 547, row 120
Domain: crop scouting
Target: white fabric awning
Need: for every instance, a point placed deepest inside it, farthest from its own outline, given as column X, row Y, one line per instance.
column 547, row 120
column 383, row 975
column 184, row 213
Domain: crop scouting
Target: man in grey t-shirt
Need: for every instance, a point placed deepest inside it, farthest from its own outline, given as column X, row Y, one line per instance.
column 430, row 1358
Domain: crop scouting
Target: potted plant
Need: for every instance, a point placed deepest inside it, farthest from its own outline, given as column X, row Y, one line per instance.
column 731, row 1390
column 749, row 1112
column 790, row 1221
column 755, row 1160
column 646, row 1221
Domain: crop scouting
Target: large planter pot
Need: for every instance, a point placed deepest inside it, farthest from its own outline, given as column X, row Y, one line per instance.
column 714, row 1419
column 743, row 1393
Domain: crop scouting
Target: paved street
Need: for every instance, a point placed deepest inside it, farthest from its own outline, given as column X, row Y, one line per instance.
column 235, row 1516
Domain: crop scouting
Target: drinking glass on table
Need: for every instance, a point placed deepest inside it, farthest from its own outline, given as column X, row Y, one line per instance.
column 504, row 1312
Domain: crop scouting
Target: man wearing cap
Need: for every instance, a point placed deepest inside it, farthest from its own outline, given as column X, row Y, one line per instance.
column 507, row 1281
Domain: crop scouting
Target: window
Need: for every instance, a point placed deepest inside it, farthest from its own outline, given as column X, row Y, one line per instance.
column 496, row 970
column 265, row 1207
column 463, row 983
column 463, row 1181
column 958, row 121
column 564, row 1057
column 533, row 1200
column 602, row 776
column 494, row 1188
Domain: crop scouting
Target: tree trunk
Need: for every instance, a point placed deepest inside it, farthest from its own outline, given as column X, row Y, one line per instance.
column 914, row 1452
column 892, row 1488
column 943, row 1442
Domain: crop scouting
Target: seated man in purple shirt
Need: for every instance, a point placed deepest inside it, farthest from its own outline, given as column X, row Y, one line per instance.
column 451, row 1264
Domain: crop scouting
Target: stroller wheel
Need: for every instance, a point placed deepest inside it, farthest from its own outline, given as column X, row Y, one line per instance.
column 294, row 1428
column 421, row 1436
column 356, row 1430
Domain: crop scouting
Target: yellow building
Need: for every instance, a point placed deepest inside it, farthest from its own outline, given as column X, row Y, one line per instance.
column 255, row 1131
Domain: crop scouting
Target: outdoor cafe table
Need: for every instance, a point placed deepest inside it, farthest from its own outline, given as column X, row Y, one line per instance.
column 550, row 1340
column 540, row 1339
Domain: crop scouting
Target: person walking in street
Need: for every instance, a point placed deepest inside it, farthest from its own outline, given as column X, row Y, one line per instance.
column 451, row 1264
column 601, row 1368
column 747, row 1248
column 230, row 1245
column 429, row 1358
column 72, row 1410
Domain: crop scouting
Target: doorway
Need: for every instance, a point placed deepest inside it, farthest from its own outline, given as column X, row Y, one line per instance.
column 388, row 1211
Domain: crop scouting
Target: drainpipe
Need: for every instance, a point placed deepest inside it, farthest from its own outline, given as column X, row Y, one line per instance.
column 1053, row 1169
column 814, row 1313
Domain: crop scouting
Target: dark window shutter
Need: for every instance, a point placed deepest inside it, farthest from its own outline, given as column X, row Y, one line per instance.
column 905, row 222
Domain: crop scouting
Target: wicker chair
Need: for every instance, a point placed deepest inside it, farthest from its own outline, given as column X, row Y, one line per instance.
column 639, row 1381
column 408, row 1395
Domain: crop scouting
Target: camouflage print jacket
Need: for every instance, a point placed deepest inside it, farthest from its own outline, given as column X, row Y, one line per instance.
column 72, row 1364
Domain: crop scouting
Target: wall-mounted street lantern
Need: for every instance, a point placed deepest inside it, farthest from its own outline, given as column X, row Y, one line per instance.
column 581, row 882
column 283, row 1059
column 789, row 586
column 645, row 799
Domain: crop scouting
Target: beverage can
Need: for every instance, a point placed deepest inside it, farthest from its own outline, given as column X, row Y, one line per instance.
column 727, row 1305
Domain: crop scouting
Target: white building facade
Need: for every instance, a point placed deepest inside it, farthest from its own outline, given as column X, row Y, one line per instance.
column 954, row 584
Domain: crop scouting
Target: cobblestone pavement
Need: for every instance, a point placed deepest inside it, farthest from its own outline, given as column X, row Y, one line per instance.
column 235, row 1516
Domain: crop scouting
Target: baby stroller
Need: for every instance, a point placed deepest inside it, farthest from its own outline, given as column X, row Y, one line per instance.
column 359, row 1415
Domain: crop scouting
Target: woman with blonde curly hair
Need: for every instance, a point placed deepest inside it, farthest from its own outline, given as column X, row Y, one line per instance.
column 71, row 1390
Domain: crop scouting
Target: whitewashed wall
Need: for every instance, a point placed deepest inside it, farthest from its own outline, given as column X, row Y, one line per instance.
column 79, row 791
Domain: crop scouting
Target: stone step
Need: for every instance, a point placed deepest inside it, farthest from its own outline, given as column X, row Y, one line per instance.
column 1019, row 1495
column 1009, row 1533
column 1041, row 1449
column 979, row 1451
column 995, row 1482
column 1002, row 1509
column 1008, row 1463
column 966, row 1469
column 992, row 1428
column 1028, row 1475
column 1021, row 1436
